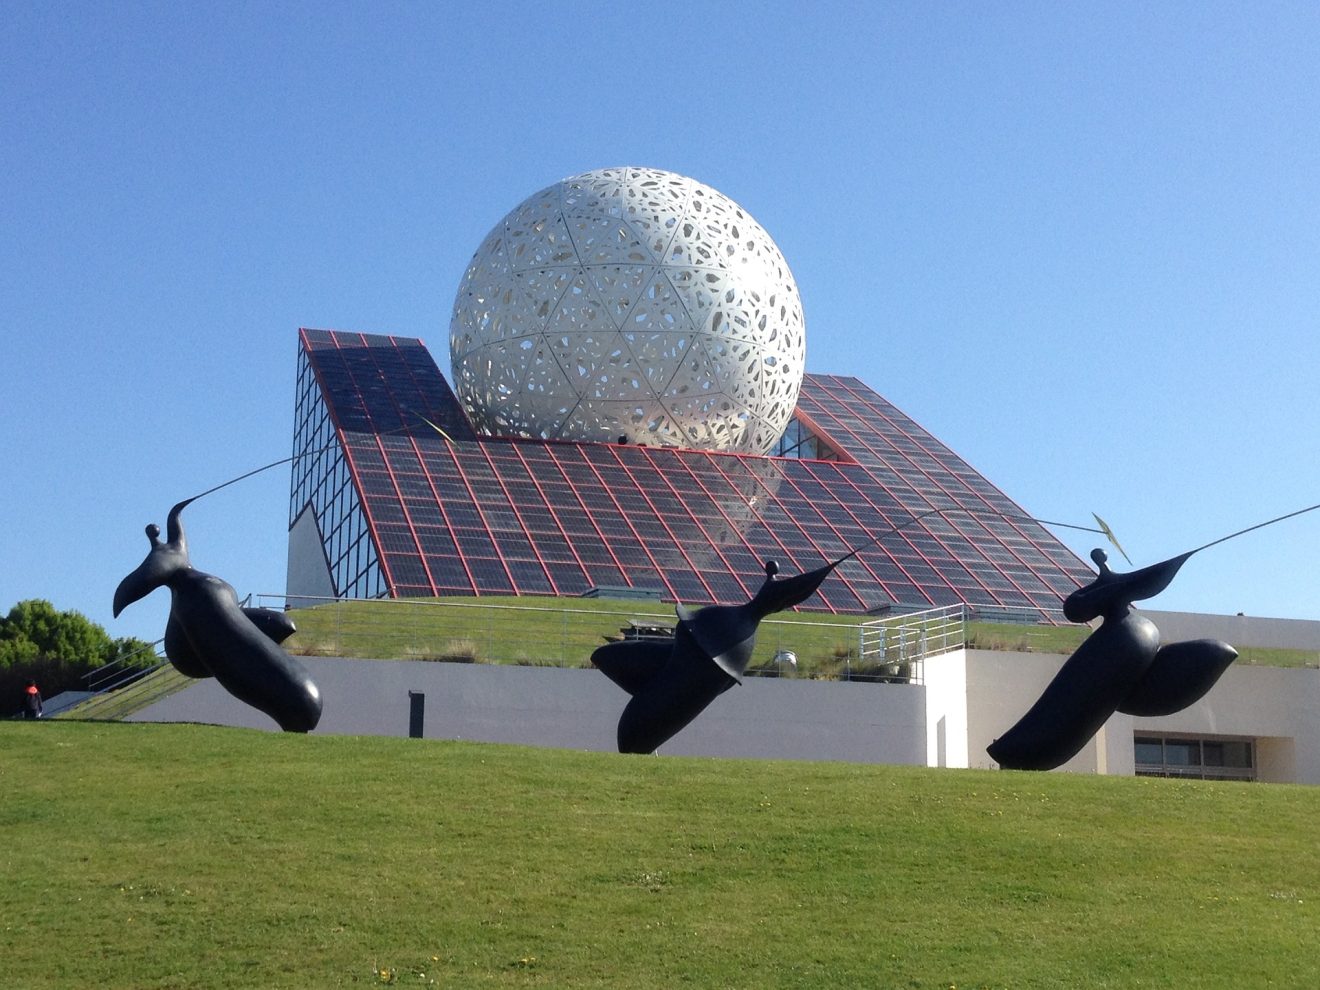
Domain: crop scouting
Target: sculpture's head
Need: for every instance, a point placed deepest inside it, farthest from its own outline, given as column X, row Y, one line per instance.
column 163, row 561
column 1113, row 591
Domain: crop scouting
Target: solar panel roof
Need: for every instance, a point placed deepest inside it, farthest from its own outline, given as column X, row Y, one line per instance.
column 457, row 514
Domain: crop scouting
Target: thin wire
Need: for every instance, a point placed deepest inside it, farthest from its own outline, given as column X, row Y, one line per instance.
column 971, row 512
column 241, row 477
column 310, row 453
column 1088, row 529
column 1267, row 522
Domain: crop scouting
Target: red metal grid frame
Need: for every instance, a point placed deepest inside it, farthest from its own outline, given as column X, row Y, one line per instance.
column 859, row 405
column 847, row 397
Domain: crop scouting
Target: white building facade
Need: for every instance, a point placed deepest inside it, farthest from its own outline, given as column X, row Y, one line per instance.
column 1257, row 723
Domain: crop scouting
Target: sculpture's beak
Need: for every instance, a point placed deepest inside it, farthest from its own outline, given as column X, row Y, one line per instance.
column 137, row 585
column 163, row 560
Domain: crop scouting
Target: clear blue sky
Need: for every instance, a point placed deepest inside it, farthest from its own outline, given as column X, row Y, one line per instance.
column 1078, row 242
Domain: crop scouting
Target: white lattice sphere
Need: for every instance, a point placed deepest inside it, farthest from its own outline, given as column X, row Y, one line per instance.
column 630, row 302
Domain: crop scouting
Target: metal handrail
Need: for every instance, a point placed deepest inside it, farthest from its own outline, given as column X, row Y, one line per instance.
column 117, row 673
column 902, row 643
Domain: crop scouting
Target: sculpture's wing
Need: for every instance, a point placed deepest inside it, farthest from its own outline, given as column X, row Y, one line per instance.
column 276, row 625
column 1180, row 675
column 143, row 580
column 632, row 664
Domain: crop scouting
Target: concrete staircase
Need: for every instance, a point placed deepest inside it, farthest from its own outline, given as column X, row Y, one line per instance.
column 118, row 703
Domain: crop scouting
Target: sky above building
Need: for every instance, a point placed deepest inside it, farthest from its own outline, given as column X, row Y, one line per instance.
column 1078, row 243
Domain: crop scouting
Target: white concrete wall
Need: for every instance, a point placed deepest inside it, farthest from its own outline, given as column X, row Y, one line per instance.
column 579, row 709
column 1240, row 630
column 946, row 710
column 970, row 698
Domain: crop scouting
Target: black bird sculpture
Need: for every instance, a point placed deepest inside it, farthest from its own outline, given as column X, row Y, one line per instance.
column 672, row 683
column 1120, row 667
column 209, row 634
column 276, row 626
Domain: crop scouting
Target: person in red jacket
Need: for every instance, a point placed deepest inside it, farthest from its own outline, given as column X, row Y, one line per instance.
column 32, row 701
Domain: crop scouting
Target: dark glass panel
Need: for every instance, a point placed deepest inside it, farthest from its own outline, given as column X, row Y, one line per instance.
column 687, row 586
column 376, row 483
column 643, row 577
column 446, row 569
column 408, row 569
column 605, row 575
column 568, row 578
column 530, row 577
column 1227, row 753
column 1182, row 752
column 594, row 552
column 396, row 539
column 554, row 548
column 491, row 578
column 652, row 531
column 474, row 542
column 414, row 590
column 725, row 588
column 1149, row 750
column 403, row 459
column 435, row 541
column 385, row 510
column 514, row 545
column 498, row 518
column 425, row 513
column 686, row 532
column 464, row 515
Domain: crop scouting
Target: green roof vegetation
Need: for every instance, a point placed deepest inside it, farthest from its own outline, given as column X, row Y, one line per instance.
column 564, row 632
column 154, row 856
column 542, row 631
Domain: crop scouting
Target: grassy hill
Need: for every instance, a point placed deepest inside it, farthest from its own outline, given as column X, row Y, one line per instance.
column 189, row 856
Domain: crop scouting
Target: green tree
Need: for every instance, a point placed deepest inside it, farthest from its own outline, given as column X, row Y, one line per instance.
column 56, row 649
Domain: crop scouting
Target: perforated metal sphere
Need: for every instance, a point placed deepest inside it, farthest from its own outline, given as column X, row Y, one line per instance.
column 630, row 302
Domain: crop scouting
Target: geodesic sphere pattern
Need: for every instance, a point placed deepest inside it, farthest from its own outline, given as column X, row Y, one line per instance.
column 630, row 302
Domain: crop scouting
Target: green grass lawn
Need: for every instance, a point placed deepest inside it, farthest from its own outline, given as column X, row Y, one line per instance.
column 187, row 856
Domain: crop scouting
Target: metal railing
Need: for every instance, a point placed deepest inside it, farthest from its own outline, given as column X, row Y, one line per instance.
column 127, row 685
column 122, row 672
column 899, row 645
